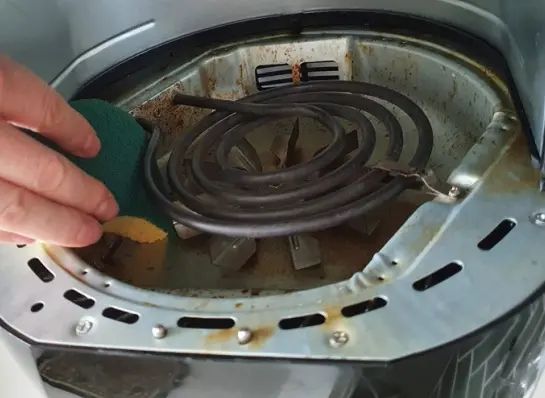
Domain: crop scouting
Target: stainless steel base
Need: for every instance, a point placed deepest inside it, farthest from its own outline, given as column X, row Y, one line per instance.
column 385, row 311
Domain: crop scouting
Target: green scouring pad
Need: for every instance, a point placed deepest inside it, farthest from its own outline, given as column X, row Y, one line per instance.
column 119, row 166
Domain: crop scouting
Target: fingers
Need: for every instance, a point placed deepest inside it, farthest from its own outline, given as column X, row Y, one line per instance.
column 29, row 164
column 28, row 102
column 26, row 214
column 8, row 237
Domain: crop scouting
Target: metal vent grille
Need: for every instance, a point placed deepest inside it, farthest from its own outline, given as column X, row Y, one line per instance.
column 278, row 75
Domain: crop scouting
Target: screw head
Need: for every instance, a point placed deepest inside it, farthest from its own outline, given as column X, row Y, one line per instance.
column 244, row 336
column 338, row 339
column 84, row 326
column 159, row 331
column 454, row 192
column 538, row 219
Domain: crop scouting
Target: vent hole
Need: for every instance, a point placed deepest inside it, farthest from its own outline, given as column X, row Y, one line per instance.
column 205, row 323
column 363, row 307
column 437, row 277
column 301, row 321
column 270, row 76
column 319, row 70
column 497, row 235
column 20, row 246
column 37, row 307
column 79, row 298
column 40, row 270
column 120, row 315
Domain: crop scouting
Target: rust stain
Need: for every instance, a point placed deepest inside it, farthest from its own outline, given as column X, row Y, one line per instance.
column 241, row 80
column 343, row 251
column 296, row 73
column 368, row 50
column 211, row 83
column 348, row 57
column 261, row 336
column 139, row 264
column 333, row 316
column 238, row 305
column 171, row 119
column 220, row 337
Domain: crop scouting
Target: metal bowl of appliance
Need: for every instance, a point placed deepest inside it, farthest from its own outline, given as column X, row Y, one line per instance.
column 436, row 293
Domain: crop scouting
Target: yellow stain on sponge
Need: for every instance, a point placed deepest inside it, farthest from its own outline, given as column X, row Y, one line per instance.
column 134, row 228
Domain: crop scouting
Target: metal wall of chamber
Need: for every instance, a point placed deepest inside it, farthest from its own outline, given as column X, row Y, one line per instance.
column 63, row 44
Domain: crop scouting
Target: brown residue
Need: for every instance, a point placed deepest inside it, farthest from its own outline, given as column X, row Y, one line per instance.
column 220, row 336
column 332, row 315
column 369, row 50
column 171, row 119
column 135, row 263
column 238, row 305
column 343, row 251
column 260, row 337
column 211, row 85
column 296, row 73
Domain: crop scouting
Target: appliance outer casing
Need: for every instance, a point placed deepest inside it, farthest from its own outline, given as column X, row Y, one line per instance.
column 68, row 42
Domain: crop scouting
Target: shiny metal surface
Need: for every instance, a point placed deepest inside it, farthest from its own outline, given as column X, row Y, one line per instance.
column 455, row 94
column 67, row 42
column 490, row 283
column 427, row 319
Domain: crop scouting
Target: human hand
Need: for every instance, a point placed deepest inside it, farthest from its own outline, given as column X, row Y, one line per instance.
column 43, row 196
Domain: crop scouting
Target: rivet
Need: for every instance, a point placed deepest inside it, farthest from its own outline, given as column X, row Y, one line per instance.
column 159, row 331
column 338, row 339
column 244, row 336
column 84, row 326
column 538, row 219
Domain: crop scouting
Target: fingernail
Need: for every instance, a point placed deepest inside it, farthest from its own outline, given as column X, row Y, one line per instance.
column 92, row 145
column 107, row 209
column 89, row 233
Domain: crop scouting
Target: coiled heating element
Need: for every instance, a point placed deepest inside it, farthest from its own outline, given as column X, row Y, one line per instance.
column 333, row 187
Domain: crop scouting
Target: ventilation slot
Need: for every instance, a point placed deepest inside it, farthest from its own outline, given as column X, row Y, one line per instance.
column 301, row 321
column 497, row 235
column 205, row 323
column 40, row 270
column 79, row 298
column 120, row 315
column 270, row 76
column 37, row 307
column 363, row 307
column 437, row 277
column 321, row 70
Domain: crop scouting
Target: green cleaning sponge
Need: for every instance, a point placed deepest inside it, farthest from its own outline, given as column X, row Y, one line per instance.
column 119, row 166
